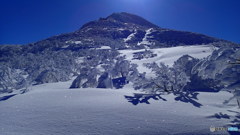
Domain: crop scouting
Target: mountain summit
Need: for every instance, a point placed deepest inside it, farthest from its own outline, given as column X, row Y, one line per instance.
column 130, row 18
column 123, row 31
column 122, row 19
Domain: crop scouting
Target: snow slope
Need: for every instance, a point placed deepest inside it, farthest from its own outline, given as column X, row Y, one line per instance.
column 53, row 109
column 168, row 55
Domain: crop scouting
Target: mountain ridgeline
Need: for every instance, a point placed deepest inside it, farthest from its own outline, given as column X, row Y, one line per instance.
column 121, row 31
column 91, row 54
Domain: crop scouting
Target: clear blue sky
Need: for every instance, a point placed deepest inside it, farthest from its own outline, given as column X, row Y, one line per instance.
column 26, row 21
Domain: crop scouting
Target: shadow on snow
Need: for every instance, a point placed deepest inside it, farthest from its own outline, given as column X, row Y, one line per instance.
column 187, row 97
column 4, row 98
column 234, row 120
column 143, row 98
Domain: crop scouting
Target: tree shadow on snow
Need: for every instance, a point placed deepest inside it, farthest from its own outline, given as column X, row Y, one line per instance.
column 143, row 98
column 4, row 98
column 187, row 97
column 219, row 116
column 235, row 120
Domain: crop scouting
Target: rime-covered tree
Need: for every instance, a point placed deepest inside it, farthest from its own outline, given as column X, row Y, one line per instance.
column 11, row 79
column 121, row 67
column 167, row 79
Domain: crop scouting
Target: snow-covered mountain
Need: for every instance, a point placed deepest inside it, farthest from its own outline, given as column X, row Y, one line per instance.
column 101, row 53
column 122, row 31
column 85, row 82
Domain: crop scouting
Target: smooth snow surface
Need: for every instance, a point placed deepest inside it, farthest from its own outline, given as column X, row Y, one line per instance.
column 53, row 109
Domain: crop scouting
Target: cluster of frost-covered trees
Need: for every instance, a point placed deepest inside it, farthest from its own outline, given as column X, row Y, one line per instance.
column 214, row 72
column 222, row 67
column 21, row 70
column 144, row 54
column 166, row 79
column 11, row 79
column 106, row 68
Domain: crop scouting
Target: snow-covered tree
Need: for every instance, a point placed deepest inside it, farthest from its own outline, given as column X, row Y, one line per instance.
column 168, row 79
column 11, row 79
column 218, row 68
column 121, row 67
column 163, row 78
column 144, row 54
column 105, row 81
column 97, row 69
column 86, row 79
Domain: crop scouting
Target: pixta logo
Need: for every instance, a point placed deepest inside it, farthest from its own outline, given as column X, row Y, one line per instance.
column 233, row 129
column 229, row 129
column 214, row 129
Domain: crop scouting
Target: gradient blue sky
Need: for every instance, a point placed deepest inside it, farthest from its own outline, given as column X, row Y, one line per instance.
column 26, row 21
